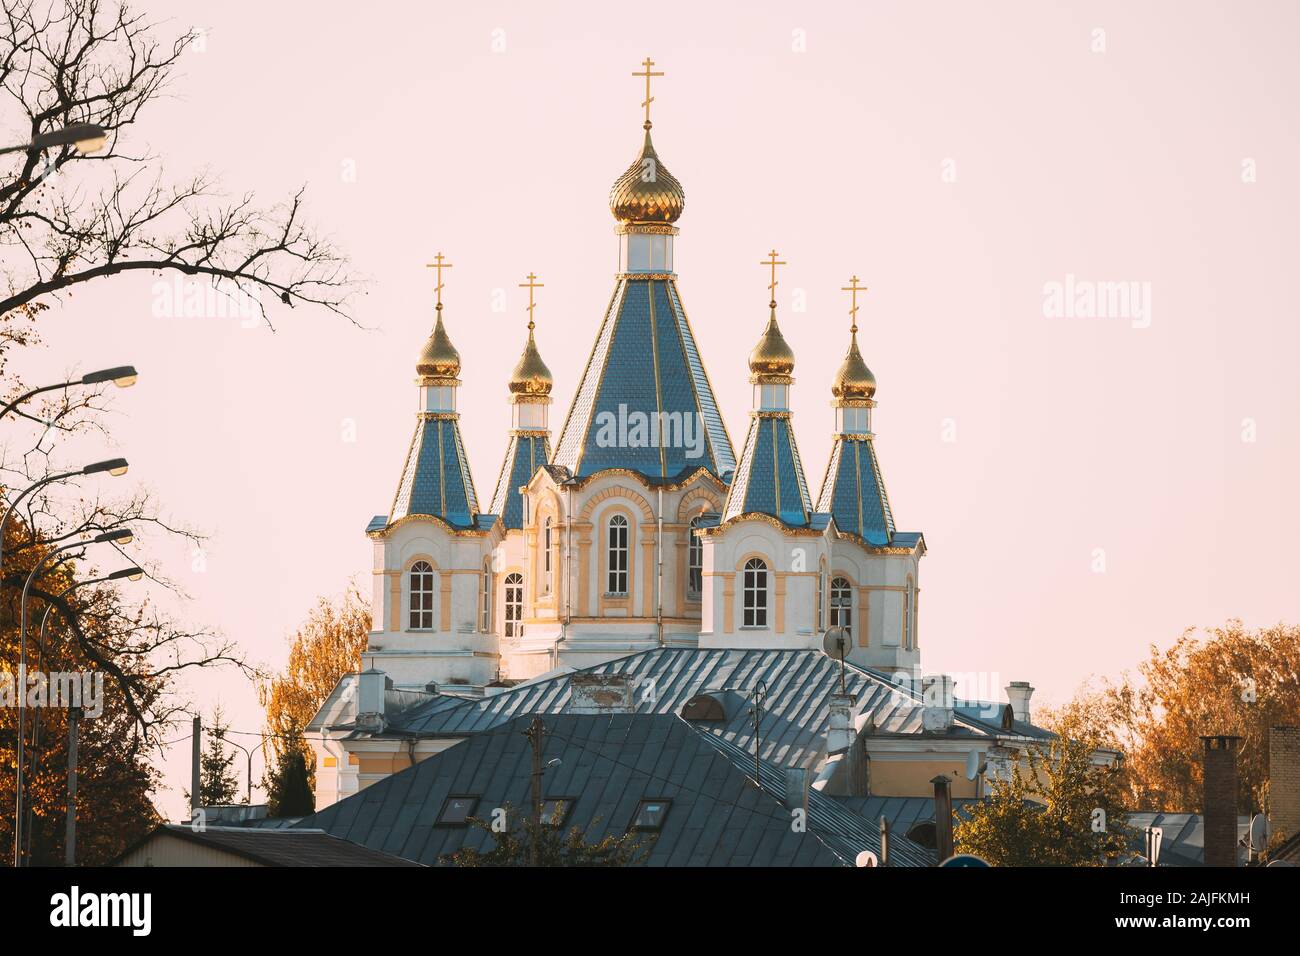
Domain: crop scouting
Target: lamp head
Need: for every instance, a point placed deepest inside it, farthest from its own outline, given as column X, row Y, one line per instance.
column 117, row 536
column 135, row 574
column 114, row 466
column 122, row 376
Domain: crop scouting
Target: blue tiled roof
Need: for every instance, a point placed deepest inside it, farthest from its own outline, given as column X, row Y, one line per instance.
column 854, row 492
column 645, row 364
column 435, row 478
column 770, row 478
column 527, row 452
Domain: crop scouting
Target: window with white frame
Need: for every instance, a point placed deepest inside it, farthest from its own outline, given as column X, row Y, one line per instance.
column 842, row 605
column 546, row 558
column 514, row 605
column 421, row 596
column 616, row 556
column 821, row 597
column 485, row 599
column 694, row 561
column 755, row 593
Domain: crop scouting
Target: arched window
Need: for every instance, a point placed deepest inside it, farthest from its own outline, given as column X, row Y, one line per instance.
column 421, row 596
column 617, row 556
column 755, row 593
column 909, row 600
column 546, row 558
column 842, row 605
column 485, row 608
column 514, row 605
column 694, row 561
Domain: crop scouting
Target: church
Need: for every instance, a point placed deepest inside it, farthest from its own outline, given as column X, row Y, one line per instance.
column 641, row 540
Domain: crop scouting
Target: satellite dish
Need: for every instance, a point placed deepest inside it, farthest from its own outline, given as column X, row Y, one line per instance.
column 965, row 859
column 835, row 642
column 975, row 764
column 1260, row 831
column 1281, row 863
column 867, row 858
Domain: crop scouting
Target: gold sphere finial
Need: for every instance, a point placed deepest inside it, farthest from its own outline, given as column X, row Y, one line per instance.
column 647, row 192
column 438, row 358
column 531, row 376
column 772, row 356
column 853, row 380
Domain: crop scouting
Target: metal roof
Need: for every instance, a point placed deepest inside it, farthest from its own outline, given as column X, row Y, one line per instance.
column 646, row 362
column 296, row 846
column 526, row 452
column 607, row 765
column 436, row 478
column 796, row 710
column 1182, row 838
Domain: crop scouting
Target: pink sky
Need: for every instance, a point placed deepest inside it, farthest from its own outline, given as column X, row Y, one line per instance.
column 1072, row 434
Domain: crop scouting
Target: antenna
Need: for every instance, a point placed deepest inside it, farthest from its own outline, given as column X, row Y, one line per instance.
column 1260, row 831
column 975, row 764
column 835, row 642
column 866, row 858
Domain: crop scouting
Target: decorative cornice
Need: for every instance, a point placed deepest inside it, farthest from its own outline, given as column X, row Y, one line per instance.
column 429, row 519
column 766, row 519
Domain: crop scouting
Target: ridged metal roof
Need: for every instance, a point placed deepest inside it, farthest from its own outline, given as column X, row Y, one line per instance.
column 525, row 454
column 608, row 764
column 645, row 363
column 853, row 490
column 770, row 478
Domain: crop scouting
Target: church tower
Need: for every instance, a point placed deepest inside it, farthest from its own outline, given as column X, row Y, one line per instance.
column 873, row 586
column 430, row 625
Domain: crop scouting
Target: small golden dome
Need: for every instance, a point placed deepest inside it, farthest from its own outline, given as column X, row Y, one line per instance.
column 647, row 192
column 854, row 379
column 772, row 355
column 438, row 358
column 531, row 376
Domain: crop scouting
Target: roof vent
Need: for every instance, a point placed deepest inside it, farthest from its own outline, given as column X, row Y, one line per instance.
column 704, row 707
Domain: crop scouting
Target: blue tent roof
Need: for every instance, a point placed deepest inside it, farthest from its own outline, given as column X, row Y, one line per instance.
column 770, row 478
column 645, row 402
column 435, row 478
column 854, row 491
column 526, row 452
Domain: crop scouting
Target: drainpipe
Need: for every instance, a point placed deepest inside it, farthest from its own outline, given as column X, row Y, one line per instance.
column 568, row 557
column 659, row 579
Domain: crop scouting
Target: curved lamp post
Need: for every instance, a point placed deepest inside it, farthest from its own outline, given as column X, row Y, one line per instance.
column 120, row 536
column 70, row 842
column 84, row 137
column 123, row 376
column 249, row 754
column 114, row 466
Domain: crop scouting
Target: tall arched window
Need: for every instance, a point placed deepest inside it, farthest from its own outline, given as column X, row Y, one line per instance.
column 422, row 596
column 909, row 599
column 694, row 561
column 842, row 605
column 514, row 605
column 755, row 593
column 617, row 556
column 546, row 558
column 485, row 600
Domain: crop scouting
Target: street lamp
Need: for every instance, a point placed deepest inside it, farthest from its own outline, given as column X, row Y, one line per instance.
column 84, row 138
column 249, row 754
column 114, row 466
column 123, row 376
column 118, row 536
column 70, row 841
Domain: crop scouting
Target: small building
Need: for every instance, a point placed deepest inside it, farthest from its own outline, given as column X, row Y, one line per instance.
column 179, row 844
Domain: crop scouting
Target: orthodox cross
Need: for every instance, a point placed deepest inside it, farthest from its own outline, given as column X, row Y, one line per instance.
column 530, row 285
column 773, row 262
column 438, row 265
column 853, row 288
column 647, row 63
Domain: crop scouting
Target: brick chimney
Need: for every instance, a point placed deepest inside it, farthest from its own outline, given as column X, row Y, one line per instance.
column 1284, row 780
column 937, row 703
column 1219, row 800
column 1019, row 692
column 600, row 694
column 372, row 686
column 840, row 734
column 942, row 817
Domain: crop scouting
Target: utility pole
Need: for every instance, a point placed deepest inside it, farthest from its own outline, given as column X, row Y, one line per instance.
column 756, row 711
column 196, row 761
column 70, row 837
column 535, row 733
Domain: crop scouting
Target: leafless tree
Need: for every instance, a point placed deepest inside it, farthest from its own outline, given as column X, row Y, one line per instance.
column 68, row 218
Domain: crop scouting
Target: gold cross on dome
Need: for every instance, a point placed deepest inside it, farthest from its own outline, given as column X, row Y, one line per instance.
column 647, row 63
column 853, row 288
column 773, row 262
column 530, row 285
column 438, row 264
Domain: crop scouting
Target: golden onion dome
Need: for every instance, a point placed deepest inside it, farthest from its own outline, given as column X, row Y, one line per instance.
column 531, row 376
column 772, row 355
column 854, row 379
column 647, row 192
column 438, row 358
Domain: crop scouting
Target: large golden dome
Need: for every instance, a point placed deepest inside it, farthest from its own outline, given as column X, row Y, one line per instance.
column 647, row 192
column 438, row 358
column 531, row 376
column 772, row 355
column 854, row 379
